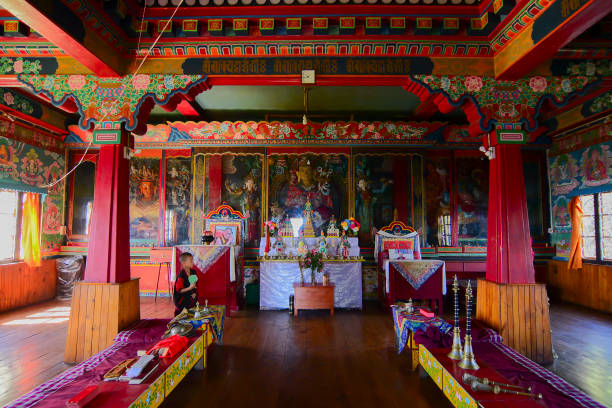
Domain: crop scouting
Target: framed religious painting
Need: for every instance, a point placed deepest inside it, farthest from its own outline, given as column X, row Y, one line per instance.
column 296, row 178
column 144, row 200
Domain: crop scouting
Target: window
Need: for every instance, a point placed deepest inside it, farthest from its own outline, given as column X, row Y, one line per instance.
column 445, row 235
column 83, row 182
column 10, row 212
column 597, row 226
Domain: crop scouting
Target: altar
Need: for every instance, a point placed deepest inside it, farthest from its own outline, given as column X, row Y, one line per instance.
column 277, row 276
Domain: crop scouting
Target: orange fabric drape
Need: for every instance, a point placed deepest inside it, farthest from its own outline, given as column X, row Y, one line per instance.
column 30, row 233
column 575, row 213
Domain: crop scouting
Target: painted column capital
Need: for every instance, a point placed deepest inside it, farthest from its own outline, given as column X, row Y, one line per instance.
column 126, row 100
column 488, row 102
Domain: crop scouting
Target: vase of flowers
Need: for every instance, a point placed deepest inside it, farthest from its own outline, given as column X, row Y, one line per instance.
column 313, row 260
column 270, row 231
column 351, row 226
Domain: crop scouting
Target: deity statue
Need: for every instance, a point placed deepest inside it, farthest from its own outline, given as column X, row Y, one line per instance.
column 302, row 247
column 308, row 228
column 344, row 246
column 279, row 246
column 332, row 228
column 323, row 245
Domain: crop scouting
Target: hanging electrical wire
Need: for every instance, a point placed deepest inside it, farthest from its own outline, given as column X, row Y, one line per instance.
column 168, row 22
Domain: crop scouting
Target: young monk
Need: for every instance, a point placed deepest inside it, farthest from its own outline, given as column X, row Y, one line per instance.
column 185, row 292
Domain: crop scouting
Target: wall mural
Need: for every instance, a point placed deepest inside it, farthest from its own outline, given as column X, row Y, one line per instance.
column 242, row 181
column 144, row 201
column 178, row 200
column 28, row 168
column 437, row 196
column 373, row 194
column 577, row 169
column 296, row 178
column 472, row 200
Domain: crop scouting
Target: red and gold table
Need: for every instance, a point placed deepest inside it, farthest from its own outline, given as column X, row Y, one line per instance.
column 448, row 377
column 166, row 377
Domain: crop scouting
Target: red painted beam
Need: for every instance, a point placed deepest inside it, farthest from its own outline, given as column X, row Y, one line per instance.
column 35, row 14
column 188, row 109
column 319, row 10
column 33, row 121
column 545, row 49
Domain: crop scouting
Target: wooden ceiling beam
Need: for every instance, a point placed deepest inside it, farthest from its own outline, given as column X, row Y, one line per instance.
column 62, row 27
column 543, row 38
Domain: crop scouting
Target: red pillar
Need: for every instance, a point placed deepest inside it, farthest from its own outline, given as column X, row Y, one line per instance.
column 108, row 258
column 509, row 254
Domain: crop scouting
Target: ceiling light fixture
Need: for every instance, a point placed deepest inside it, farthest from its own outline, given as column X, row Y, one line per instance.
column 305, row 118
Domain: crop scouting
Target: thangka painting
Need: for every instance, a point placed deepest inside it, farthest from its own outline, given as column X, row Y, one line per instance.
column 178, row 200
column 297, row 178
column 386, row 185
column 572, row 173
column 472, row 200
column 144, row 201
column 437, row 200
column 373, row 194
column 241, row 189
column 28, row 168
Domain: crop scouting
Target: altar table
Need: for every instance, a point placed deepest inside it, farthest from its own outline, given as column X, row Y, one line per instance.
column 276, row 279
column 415, row 279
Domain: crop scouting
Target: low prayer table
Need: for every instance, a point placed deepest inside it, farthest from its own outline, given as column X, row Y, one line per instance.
column 309, row 296
column 499, row 363
column 407, row 323
column 151, row 393
column 447, row 375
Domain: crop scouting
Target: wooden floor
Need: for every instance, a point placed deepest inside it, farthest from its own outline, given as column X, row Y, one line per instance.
column 272, row 359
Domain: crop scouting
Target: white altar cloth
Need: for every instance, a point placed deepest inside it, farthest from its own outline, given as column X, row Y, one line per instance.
column 276, row 279
column 332, row 244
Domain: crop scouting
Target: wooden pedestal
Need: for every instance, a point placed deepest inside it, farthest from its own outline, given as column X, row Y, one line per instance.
column 98, row 312
column 519, row 312
column 309, row 296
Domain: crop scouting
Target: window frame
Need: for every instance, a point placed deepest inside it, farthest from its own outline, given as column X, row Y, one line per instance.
column 597, row 216
column 17, row 257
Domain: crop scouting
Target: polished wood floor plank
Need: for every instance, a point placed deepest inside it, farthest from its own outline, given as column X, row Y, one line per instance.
column 273, row 359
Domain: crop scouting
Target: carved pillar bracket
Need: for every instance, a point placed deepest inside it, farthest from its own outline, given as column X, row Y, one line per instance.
column 487, row 102
column 127, row 100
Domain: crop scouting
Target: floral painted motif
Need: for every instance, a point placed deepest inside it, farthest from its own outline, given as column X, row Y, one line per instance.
column 601, row 103
column 473, row 83
column 538, row 84
column 114, row 99
column 76, row 82
column 590, row 68
column 19, row 66
column 16, row 101
column 504, row 101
